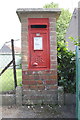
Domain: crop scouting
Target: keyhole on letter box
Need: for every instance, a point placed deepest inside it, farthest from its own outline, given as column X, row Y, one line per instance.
column 35, row 64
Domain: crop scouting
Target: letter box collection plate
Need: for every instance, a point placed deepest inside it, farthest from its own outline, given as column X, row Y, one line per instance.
column 38, row 43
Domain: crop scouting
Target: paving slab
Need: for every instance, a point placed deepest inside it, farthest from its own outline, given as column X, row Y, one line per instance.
column 38, row 111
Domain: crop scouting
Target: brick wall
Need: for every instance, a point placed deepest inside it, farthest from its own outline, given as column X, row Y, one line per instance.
column 41, row 85
column 39, row 80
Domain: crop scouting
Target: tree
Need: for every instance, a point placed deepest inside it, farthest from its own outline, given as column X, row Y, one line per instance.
column 66, row 59
column 51, row 5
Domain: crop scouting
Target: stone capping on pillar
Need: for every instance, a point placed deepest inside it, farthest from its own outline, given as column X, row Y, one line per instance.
column 39, row 10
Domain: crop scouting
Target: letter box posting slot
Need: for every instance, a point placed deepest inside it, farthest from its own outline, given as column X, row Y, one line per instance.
column 38, row 39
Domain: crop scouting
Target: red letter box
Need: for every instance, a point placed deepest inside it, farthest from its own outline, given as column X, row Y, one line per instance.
column 38, row 39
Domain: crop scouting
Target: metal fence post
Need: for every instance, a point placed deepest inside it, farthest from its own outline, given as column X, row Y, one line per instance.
column 78, row 82
column 14, row 66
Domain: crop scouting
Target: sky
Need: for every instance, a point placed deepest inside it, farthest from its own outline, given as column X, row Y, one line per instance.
column 9, row 23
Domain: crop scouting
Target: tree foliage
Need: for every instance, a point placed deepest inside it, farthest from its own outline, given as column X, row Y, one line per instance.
column 62, row 24
column 66, row 59
column 51, row 5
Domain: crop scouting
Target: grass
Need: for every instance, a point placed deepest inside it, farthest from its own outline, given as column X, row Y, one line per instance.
column 7, row 80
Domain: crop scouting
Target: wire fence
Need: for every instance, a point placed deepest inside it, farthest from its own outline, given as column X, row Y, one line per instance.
column 7, row 82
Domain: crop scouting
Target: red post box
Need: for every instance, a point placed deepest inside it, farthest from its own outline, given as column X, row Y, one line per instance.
column 39, row 54
column 38, row 40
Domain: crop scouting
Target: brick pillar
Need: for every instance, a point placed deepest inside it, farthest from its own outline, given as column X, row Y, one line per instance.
column 39, row 86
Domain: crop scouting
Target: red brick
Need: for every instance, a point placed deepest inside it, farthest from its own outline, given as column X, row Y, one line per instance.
column 53, row 87
column 53, row 72
column 53, row 77
column 36, row 77
column 31, row 77
column 41, row 87
column 42, row 77
column 29, row 72
column 25, row 77
column 39, row 82
column 29, row 82
column 47, row 72
column 33, row 82
column 50, row 82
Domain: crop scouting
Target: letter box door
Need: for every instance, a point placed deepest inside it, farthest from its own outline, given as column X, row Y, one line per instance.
column 39, row 51
column 38, row 36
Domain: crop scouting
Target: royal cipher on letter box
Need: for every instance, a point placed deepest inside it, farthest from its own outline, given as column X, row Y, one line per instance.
column 39, row 54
